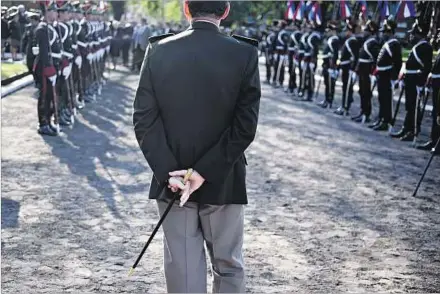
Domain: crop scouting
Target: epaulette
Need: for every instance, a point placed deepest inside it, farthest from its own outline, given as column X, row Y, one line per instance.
column 160, row 37
column 251, row 41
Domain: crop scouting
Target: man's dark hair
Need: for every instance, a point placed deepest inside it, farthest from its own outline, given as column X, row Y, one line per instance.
column 207, row 8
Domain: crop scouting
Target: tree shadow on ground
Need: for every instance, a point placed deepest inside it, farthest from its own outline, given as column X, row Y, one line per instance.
column 10, row 211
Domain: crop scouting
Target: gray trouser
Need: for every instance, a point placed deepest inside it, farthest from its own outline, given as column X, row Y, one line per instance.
column 186, row 230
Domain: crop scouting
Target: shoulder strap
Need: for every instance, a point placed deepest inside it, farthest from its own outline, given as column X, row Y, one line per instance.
column 251, row 41
column 159, row 37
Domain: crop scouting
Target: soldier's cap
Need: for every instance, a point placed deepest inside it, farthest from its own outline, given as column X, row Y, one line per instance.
column 76, row 7
column 289, row 22
column 52, row 6
column 419, row 28
column 275, row 23
column 388, row 25
column 349, row 25
column 33, row 15
column 65, row 6
column 371, row 26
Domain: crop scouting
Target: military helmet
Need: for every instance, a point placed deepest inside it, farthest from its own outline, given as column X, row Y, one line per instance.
column 388, row 25
column 371, row 26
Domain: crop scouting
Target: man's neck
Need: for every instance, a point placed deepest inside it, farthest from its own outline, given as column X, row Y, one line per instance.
column 207, row 19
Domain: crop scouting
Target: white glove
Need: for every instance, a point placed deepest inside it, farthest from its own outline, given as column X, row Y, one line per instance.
column 35, row 50
column 312, row 66
column 373, row 79
column 419, row 90
column 275, row 56
column 353, row 77
column 401, row 84
column 107, row 48
column 78, row 61
column 53, row 80
column 393, row 84
column 333, row 73
column 296, row 62
column 89, row 57
column 303, row 65
column 67, row 70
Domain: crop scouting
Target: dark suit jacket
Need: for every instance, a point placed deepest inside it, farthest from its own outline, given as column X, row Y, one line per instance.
column 197, row 107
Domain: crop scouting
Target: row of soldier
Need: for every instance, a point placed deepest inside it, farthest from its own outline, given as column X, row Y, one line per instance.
column 372, row 58
column 68, row 52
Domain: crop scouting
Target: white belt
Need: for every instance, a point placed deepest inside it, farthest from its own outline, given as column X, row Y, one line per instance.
column 307, row 54
column 291, row 48
column 67, row 54
column 301, row 51
column 55, row 55
column 345, row 62
column 74, row 46
column 280, row 47
column 383, row 68
column 412, row 71
column 363, row 60
column 435, row 76
column 82, row 44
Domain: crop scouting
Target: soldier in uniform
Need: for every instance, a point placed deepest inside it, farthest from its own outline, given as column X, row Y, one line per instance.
column 78, row 61
column 269, row 51
column 310, row 60
column 329, row 64
column 64, row 84
column 294, row 47
column 367, row 60
column 417, row 69
column 46, row 66
column 435, row 86
column 347, row 64
column 29, row 41
column 213, row 215
column 302, row 58
column 280, row 57
column 388, row 65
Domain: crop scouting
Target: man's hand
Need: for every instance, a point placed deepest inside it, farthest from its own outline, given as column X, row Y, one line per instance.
column 193, row 184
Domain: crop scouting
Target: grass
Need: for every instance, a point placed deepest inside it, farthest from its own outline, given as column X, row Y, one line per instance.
column 12, row 69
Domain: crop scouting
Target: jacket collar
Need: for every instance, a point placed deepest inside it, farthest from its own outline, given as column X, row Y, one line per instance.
column 204, row 25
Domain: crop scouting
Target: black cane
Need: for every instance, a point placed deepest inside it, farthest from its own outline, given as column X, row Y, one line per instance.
column 396, row 111
column 162, row 218
column 434, row 151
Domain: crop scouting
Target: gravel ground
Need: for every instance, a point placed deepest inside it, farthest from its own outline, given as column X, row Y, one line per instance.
column 330, row 203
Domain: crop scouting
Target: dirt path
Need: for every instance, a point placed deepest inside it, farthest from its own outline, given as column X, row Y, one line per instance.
column 330, row 207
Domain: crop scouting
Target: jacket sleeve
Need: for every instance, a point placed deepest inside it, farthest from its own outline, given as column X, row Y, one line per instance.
column 355, row 48
column 427, row 64
column 218, row 161
column 43, row 46
column 335, row 53
column 397, row 62
column 149, row 128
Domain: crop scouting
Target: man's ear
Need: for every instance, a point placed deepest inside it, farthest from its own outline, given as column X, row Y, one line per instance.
column 225, row 15
column 186, row 11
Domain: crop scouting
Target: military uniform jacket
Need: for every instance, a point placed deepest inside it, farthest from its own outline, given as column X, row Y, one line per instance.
column 312, row 48
column 48, row 46
column 369, row 51
column 82, row 37
column 350, row 53
column 419, row 61
column 281, row 41
column 295, row 39
column 270, row 41
column 390, row 58
column 200, row 113
column 66, row 40
column 331, row 52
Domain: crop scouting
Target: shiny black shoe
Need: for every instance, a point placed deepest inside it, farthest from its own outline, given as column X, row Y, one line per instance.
column 339, row 111
column 323, row 104
column 47, row 131
column 64, row 121
column 375, row 124
column 408, row 137
column 426, row 146
column 381, row 127
column 357, row 117
column 398, row 134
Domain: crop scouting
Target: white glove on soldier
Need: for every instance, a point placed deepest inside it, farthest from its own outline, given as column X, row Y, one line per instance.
column 53, row 80
column 78, row 61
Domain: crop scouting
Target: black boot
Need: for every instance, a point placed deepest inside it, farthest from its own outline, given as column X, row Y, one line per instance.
column 399, row 134
column 47, row 130
column 376, row 123
column 357, row 117
column 408, row 137
column 426, row 146
column 381, row 127
column 323, row 104
column 339, row 111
